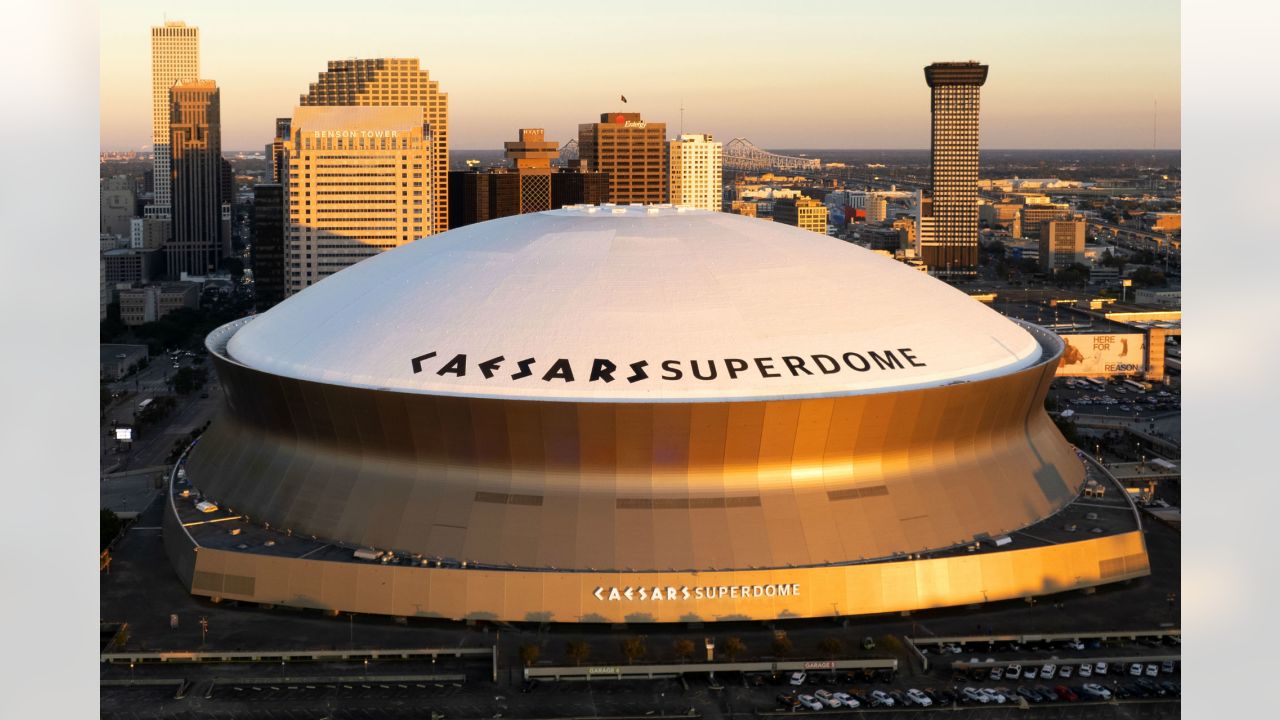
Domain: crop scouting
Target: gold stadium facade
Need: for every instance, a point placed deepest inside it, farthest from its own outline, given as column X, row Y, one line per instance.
column 376, row 499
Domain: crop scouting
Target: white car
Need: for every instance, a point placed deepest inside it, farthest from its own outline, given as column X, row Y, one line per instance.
column 1135, row 669
column 918, row 698
column 826, row 698
column 974, row 695
column 996, row 696
column 881, row 697
column 1100, row 669
column 1065, row 671
column 797, row 678
column 1086, row 670
column 1046, row 672
column 1013, row 672
column 809, row 701
column 846, row 699
column 1075, row 644
column 1153, row 670
column 1029, row 673
column 1096, row 690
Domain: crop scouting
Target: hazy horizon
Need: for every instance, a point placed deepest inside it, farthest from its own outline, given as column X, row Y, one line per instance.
column 839, row 76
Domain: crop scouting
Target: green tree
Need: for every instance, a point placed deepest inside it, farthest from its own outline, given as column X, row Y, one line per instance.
column 1148, row 277
column 189, row 379
column 577, row 651
column 633, row 648
column 830, row 646
column 732, row 648
column 109, row 525
column 684, row 648
column 782, row 646
column 529, row 654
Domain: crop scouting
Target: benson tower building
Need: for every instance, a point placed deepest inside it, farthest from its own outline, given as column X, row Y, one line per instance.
column 358, row 183
column 395, row 82
column 632, row 152
column 955, row 87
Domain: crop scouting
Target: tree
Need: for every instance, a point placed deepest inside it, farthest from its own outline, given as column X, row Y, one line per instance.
column 1148, row 277
column 782, row 646
column 684, row 648
column 577, row 651
column 732, row 648
column 830, row 646
column 529, row 654
column 633, row 648
column 188, row 379
column 109, row 524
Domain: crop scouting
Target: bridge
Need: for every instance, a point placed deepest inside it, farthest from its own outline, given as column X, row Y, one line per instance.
column 741, row 154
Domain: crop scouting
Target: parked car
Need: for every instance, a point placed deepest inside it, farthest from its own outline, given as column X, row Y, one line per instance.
column 1046, row 693
column 1166, row 666
column 1066, row 693
column 809, row 701
column 898, row 698
column 1013, row 672
column 1086, row 670
column 881, row 698
column 787, row 701
column 1029, row 694
column 1065, row 671
column 1100, row 668
column 1097, row 691
column 826, row 698
column 995, row 674
column 1171, row 687
column 996, row 696
column 1048, row 671
column 919, row 698
column 846, row 699
column 974, row 695
column 1029, row 672
column 797, row 678
column 1153, row 670
column 1136, row 669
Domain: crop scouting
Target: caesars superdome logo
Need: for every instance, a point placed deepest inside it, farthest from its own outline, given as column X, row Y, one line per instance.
column 607, row 370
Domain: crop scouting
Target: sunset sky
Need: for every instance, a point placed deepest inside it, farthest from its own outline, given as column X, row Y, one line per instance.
column 817, row 74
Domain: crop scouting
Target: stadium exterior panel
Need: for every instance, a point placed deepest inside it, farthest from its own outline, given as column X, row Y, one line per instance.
column 818, row 495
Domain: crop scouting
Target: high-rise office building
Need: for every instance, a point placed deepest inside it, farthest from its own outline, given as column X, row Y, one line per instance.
column 577, row 184
column 697, row 170
column 926, row 231
column 632, row 152
column 531, row 158
column 954, row 89
column 1061, row 244
column 197, row 174
column 1030, row 218
column 116, row 201
column 803, row 212
column 478, row 196
column 275, row 152
column 175, row 57
column 395, row 82
column 267, row 258
column 359, row 183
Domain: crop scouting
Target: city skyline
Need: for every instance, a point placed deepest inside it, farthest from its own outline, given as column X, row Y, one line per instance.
column 860, row 66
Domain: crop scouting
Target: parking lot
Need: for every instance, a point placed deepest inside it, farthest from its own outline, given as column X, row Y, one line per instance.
column 1114, row 397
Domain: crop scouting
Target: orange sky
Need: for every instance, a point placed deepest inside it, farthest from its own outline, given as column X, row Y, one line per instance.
column 813, row 75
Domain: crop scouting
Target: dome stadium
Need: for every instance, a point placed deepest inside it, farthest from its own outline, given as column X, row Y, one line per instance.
column 634, row 414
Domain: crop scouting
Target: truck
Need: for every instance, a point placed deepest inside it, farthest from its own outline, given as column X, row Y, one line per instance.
column 144, row 404
column 1137, row 385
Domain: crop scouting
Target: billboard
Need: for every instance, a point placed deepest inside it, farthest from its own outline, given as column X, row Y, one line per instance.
column 124, row 434
column 1103, row 355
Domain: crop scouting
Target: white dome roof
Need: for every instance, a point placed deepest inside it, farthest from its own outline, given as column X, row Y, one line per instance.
column 671, row 304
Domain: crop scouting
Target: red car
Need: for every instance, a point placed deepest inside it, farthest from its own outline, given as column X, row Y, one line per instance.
column 1066, row 693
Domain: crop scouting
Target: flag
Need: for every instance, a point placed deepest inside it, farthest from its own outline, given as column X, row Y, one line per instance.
column 624, row 98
